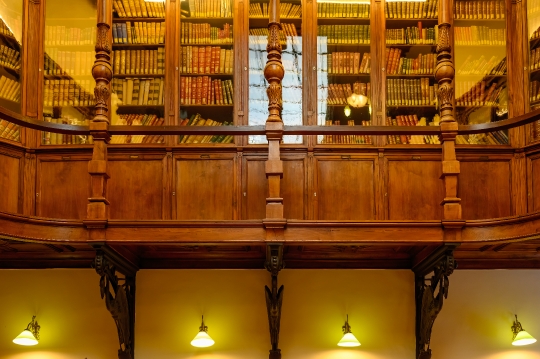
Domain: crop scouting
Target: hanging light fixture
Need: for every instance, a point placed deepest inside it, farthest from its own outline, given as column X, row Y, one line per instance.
column 202, row 339
column 521, row 337
column 348, row 340
column 357, row 100
column 30, row 335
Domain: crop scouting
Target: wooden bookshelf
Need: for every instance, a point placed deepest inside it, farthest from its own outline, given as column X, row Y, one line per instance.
column 10, row 76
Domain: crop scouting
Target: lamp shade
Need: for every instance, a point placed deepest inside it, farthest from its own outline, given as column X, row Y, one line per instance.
column 202, row 340
column 523, row 338
column 349, row 340
column 26, row 338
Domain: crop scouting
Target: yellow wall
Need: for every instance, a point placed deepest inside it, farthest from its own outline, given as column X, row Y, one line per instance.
column 475, row 321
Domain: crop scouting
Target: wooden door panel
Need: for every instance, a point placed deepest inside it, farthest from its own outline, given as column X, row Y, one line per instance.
column 9, row 183
column 485, row 189
column 64, row 189
column 205, row 188
column 135, row 189
column 292, row 188
column 535, row 180
column 345, row 189
column 415, row 190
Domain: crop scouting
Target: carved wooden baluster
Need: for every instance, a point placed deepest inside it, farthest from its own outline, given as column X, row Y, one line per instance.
column 98, row 206
column 274, row 72
column 444, row 74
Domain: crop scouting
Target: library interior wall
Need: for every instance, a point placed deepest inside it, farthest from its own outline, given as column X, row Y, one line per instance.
column 474, row 323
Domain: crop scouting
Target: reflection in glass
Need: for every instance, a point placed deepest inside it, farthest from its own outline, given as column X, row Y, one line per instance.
column 533, row 18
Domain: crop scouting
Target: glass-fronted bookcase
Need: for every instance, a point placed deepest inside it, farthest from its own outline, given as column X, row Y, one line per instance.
column 11, row 18
column 533, row 37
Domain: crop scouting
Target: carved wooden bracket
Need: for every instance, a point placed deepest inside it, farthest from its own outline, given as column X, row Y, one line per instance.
column 430, row 293
column 119, row 294
column 274, row 296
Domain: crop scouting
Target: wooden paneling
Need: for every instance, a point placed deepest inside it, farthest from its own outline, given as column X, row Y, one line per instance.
column 136, row 189
column 205, row 187
column 345, row 188
column 534, row 185
column 485, row 189
column 415, row 191
column 63, row 188
column 9, row 183
column 255, row 188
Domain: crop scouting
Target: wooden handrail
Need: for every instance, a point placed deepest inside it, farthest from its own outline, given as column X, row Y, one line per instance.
column 34, row 124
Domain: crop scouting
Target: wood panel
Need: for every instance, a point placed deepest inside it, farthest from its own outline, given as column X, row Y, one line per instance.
column 534, row 184
column 415, row 190
column 205, row 187
column 255, row 188
column 63, row 188
column 136, row 189
column 485, row 189
column 9, row 183
column 345, row 188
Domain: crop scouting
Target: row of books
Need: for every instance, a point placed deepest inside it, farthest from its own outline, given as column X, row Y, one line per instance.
column 57, row 93
column 344, row 34
column 262, row 34
column 73, row 63
column 412, row 120
column 210, row 8
column 348, row 63
column 139, row 8
column 339, row 93
column 205, row 34
column 535, row 59
column 51, row 138
column 343, row 10
column 483, row 66
column 534, row 91
column 479, row 35
column 491, row 9
column 10, row 89
column 139, row 91
column 138, row 62
column 139, row 33
column 346, row 139
column 412, row 9
column 533, row 8
column 4, row 29
column 414, row 35
column 9, row 130
column 207, row 60
column 63, row 35
column 203, row 90
column 397, row 65
column 411, row 92
column 139, row 120
column 489, row 138
column 9, row 57
column 197, row 120
column 477, row 93
column 286, row 10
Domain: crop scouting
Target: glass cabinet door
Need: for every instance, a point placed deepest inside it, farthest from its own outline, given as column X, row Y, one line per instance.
column 207, row 68
column 533, row 19
column 68, row 94
column 343, row 68
column 10, row 64
column 480, row 63
column 291, row 42
column 411, row 89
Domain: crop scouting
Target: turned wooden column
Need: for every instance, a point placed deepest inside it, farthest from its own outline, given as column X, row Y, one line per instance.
column 444, row 74
column 98, row 206
column 274, row 72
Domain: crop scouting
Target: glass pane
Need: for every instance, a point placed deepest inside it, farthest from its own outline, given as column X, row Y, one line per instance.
column 343, row 68
column 291, row 41
column 411, row 90
column 138, row 67
column 207, row 68
column 10, row 64
column 533, row 18
column 68, row 94
column 480, row 62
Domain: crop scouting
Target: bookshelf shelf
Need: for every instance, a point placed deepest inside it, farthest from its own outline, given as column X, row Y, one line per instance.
column 213, row 20
column 263, row 22
column 407, row 22
column 138, row 107
column 480, row 45
column 146, row 19
column 476, row 21
column 411, row 45
column 10, row 105
column 228, row 44
column 137, row 46
column 148, row 76
column 205, row 106
column 68, row 77
column 352, row 76
column 348, row 45
column 10, row 41
column 10, row 71
column 342, row 20
column 409, row 75
column 212, row 75
column 86, row 47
